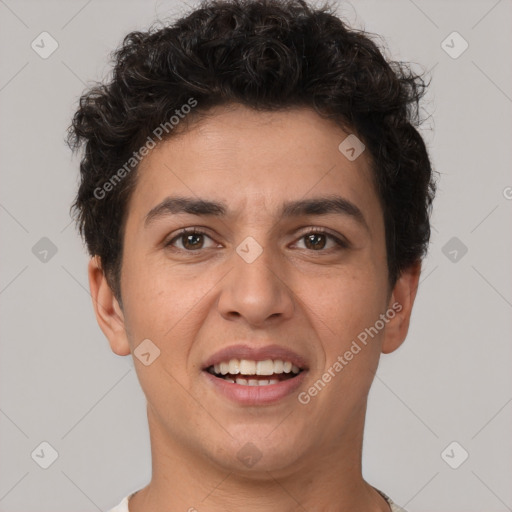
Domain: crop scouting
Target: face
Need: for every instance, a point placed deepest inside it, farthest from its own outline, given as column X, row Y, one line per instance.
column 283, row 263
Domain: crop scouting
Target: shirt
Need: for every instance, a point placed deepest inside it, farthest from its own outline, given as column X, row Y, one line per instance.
column 123, row 506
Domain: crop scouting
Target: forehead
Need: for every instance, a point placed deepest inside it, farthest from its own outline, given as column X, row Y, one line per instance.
column 254, row 161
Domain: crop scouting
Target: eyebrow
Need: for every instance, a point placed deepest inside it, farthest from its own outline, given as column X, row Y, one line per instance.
column 316, row 206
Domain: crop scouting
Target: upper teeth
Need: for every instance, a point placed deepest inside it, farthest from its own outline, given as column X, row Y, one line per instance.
column 247, row 367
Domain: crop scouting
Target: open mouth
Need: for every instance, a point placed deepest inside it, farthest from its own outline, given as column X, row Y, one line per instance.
column 255, row 373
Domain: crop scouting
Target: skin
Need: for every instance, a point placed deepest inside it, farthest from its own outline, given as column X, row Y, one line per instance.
column 314, row 300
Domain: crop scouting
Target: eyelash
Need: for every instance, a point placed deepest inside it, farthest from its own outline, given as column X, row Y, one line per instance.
column 318, row 231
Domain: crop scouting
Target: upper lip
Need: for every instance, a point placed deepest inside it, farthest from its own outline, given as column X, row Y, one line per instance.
column 243, row 351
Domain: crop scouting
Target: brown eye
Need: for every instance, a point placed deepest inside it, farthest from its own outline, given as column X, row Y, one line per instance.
column 322, row 241
column 315, row 241
column 193, row 241
column 189, row 241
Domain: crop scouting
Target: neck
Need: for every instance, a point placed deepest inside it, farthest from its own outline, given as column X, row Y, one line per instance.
column 325, row 481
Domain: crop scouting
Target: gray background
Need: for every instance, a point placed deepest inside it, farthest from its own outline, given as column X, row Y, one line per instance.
column 450, row 381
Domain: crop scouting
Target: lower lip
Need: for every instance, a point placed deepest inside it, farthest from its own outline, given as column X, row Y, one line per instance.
column 256, row 395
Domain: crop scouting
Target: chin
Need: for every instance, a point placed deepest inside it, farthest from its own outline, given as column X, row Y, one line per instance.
column 254, row 453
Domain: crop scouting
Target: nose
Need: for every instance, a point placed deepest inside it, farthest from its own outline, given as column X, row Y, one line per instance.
column 257, row 292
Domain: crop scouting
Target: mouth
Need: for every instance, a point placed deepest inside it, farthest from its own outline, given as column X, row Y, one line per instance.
column 246, row 372
column 255, row 376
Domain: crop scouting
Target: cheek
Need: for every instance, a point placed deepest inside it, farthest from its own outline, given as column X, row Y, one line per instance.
column 348, row 304
column 163, row 301
column 163, row 305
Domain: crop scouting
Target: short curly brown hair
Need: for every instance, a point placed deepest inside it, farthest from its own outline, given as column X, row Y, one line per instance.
column 268, row 55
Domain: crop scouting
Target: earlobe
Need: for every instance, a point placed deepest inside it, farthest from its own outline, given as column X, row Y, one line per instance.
column 109, row 315
column 401, row 303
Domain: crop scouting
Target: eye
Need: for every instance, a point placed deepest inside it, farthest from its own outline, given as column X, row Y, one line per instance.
column 190, row 240
column 317, row 240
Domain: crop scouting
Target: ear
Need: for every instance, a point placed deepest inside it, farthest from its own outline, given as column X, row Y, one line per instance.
column 109, row 315
column 401, row 302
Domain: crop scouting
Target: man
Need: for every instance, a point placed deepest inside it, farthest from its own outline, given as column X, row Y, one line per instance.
column 255, row 198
